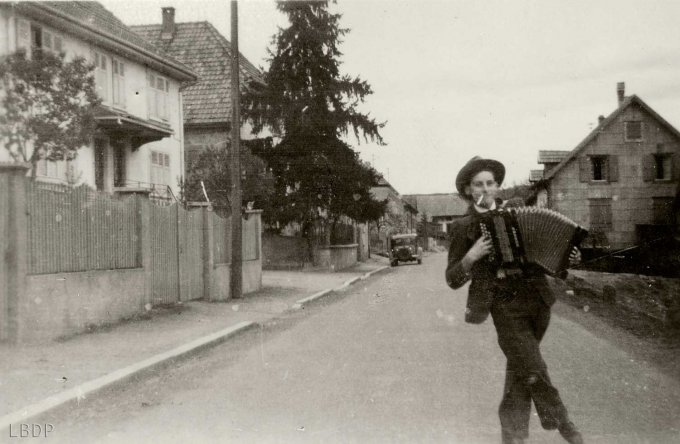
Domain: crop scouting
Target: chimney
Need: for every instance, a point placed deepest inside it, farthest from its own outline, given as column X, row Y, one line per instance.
column 168, row 29
column 600, row 119
column 620, row 91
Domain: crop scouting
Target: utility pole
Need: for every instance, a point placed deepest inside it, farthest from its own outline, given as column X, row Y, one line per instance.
column 236, row 280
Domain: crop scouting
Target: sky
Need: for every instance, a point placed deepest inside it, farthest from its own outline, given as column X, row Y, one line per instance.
column 455, row 79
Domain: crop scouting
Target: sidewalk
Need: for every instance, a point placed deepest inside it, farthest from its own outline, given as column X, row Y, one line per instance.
column 36, row 378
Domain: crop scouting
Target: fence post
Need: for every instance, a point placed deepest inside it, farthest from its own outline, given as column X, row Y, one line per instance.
column 144, row 233
column 14, row 252
column 208, row 253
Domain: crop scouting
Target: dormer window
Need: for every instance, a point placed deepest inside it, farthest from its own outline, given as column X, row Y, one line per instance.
column 633, row 131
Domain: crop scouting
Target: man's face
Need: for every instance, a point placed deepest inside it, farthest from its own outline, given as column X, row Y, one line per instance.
column 483, row 185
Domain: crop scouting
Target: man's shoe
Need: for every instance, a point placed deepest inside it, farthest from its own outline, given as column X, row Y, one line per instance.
column 570, row 433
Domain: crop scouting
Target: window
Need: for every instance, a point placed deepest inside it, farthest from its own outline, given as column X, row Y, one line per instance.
column 633, row 131
column 118, row 86
column 600, row 214
column 52, row 42
column 55, row 169
column 158, row 96
column 599, row 167
column 160, row 168
column 662, row 166
column 101, row 75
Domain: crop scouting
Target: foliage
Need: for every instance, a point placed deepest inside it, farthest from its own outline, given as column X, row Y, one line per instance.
column 311, row 107
column 211, row 166
column 47, row 104
column 524, row 191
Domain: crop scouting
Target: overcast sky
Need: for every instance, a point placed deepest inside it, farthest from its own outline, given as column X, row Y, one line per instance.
column 454, row 79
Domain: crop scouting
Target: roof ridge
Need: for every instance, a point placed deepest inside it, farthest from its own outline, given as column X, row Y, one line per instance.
column 625, row 103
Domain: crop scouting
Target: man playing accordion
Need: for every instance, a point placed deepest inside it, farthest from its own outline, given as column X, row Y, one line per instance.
column 519, row 305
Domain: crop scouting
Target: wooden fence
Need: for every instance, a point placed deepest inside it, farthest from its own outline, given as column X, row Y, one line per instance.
column 79, row 229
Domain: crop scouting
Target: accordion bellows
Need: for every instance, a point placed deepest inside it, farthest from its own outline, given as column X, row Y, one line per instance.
column 529, row 235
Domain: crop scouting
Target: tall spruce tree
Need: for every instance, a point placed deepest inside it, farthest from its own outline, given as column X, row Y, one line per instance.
column 311, row 106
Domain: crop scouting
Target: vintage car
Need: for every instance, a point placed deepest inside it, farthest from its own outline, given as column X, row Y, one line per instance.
column 405, row 248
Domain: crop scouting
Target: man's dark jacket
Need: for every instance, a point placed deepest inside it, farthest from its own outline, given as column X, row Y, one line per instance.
column 485, row 286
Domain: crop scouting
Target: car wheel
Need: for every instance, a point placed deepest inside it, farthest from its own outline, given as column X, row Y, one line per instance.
column 394, row 263
column 420, row 261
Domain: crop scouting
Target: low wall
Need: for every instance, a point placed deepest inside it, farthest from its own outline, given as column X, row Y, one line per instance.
column 283, row 252
column 220, row 282
column 68, row 303
column 335, row 257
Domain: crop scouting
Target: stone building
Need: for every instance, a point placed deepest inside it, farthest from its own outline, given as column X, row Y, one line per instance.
column 620, row 181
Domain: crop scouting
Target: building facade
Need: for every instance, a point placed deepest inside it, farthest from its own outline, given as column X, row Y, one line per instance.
column 621, row 180
column 139, row 139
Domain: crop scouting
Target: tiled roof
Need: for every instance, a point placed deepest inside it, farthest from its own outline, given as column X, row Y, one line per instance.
column 208, row 53
column 92, row 17
column 440, row 204
column 628, row 101
column 547, row 156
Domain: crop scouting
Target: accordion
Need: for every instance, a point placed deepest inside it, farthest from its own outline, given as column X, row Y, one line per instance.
column 523, row 236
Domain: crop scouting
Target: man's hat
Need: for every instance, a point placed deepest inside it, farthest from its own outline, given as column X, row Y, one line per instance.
column 474, row 166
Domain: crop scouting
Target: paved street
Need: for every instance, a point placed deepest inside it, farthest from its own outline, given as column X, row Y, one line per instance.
column 389, row 360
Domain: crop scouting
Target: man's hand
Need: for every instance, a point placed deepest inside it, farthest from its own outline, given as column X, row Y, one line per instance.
column 481, row 248
column 574, row 257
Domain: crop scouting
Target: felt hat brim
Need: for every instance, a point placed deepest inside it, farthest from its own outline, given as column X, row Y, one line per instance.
column 474, row 166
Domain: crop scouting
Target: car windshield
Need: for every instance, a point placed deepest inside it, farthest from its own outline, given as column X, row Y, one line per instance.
column 402, row 242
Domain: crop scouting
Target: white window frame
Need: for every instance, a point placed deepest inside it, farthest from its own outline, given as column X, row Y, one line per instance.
column 56, row 42
column 117, row 83
column 159, row 168
column 158, row 88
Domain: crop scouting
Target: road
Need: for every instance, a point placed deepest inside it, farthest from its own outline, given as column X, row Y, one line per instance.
column 388, row 361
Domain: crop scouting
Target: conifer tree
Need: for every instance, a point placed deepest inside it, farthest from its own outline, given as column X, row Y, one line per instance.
column 312, row 107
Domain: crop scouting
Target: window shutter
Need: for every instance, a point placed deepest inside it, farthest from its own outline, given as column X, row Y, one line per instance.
column 150, row 94
column 47, row 39
column 648, row 167
column 613, row 164
column 24, row 36
column 585, row 169
column 58, row 44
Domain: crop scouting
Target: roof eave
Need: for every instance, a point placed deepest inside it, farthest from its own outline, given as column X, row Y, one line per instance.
column 66, row 23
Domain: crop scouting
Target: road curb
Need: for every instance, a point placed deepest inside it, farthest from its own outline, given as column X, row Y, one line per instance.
column 81, row 391
column 301, row 303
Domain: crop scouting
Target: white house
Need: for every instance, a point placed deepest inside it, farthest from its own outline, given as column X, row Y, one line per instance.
column 139, row 141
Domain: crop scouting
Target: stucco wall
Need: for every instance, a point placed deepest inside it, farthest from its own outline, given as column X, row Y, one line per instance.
column 631, row 197
column 335, row 257
column 136, row 90
column 67, row 303
column 220, row 282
